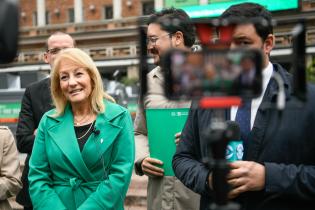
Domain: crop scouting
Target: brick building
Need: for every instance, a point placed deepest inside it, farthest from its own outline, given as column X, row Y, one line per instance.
column 107, row 30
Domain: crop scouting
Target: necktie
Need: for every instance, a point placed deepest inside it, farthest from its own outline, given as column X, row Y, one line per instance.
column 243, row 118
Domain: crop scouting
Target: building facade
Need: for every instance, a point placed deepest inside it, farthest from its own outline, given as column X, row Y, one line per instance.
column 108, row 31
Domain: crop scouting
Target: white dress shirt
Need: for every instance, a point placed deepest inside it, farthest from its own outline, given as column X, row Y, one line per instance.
column 266, row 75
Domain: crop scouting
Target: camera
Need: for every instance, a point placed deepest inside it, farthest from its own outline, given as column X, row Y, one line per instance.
column 219, row 72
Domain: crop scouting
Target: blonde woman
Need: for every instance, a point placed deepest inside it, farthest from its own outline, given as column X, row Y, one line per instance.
column 84, row 148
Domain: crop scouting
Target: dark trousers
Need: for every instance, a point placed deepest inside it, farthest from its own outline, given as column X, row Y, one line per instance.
column 28, row 208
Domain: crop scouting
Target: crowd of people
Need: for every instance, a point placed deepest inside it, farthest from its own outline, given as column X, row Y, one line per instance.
column 82, row 146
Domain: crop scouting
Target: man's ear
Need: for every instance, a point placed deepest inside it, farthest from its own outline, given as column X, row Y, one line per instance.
column 269, row 43
column 45, row 56
column 179, row 39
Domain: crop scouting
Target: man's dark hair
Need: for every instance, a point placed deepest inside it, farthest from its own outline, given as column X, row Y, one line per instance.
column 173, row 20
column 251, row 11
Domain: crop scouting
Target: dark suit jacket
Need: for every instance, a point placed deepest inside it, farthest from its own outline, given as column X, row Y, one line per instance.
column 284, row 143
column 36, row 101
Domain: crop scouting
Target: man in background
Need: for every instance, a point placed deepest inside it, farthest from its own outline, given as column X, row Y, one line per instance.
column 164, row 192
column 36, row 101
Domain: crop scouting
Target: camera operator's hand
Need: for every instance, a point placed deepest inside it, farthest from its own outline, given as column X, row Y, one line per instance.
column 177, row 137
column 245, row 176
column 149, row 167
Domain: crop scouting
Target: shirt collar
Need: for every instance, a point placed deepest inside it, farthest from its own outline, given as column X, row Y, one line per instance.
column 266, row 75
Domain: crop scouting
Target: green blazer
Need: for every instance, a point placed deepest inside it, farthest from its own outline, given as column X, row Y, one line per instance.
column 61, row 177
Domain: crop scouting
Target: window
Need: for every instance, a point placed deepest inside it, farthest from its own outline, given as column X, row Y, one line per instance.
column 108, row 12
column 71, row 15
column 147, row 7
column 47, row 17
column 34, row 17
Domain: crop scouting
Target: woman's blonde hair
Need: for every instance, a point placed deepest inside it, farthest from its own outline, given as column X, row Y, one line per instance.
column 82, row 60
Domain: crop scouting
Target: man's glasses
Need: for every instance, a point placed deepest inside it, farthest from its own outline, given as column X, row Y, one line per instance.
column 153, row 39
column 55, row 51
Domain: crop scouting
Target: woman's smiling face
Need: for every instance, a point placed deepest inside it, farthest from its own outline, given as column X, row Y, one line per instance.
column 75, row 82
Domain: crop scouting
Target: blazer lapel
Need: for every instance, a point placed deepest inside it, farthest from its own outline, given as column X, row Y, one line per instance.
column 98, row 144
column 258, row 136
column 62, row 133
column 252, row 147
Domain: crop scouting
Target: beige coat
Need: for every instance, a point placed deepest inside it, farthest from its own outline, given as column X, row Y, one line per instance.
column 10, row 175
column 167, row 192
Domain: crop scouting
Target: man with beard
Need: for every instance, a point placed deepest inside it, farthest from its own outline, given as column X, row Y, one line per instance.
column 164, row 192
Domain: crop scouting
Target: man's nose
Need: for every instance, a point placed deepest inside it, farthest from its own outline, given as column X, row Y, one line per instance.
column 150, row 46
